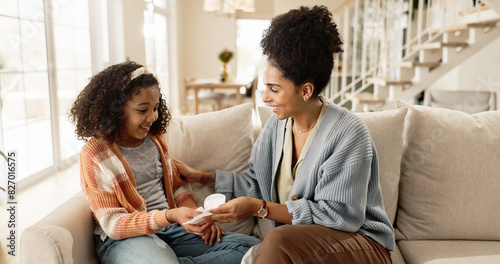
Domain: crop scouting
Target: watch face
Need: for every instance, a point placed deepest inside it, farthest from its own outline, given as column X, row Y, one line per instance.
column 262, row 212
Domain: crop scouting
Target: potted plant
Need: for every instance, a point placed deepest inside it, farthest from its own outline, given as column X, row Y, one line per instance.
column 225, row 56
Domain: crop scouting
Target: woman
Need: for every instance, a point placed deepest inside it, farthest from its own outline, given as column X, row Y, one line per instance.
column 314, row 166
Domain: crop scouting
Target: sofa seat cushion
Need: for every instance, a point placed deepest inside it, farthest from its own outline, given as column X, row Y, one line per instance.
column 220, row 140
column 450, row 251
column 450, row 178
column 396, row 256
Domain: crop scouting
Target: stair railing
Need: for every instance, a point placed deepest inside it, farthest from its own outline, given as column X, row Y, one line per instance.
column 379, row 33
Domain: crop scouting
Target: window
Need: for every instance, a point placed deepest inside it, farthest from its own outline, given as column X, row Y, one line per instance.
column 250, row 60
column 155, row 33
column 24, row 87
column 248, row 36
column 73, row 66
column 42, row 68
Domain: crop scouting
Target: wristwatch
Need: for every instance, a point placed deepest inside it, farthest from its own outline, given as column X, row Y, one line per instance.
column 262, row 213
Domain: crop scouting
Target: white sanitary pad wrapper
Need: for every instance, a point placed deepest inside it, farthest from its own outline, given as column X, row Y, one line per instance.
column 212, row 201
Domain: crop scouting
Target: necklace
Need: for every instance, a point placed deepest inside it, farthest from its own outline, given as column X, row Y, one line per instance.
column 304, row 131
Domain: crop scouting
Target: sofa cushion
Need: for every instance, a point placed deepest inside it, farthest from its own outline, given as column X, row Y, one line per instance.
column 470, row 109
column 450, row 175
column 450, row 252
column 220, row 140
column 63, row 236
column 264, row 113
column 396, row 256
column 386, row 130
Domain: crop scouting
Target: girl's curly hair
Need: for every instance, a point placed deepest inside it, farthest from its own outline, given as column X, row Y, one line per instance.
column 98, row 109
column 301, row 44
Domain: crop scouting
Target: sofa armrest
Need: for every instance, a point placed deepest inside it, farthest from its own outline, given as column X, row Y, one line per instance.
column 63, row 236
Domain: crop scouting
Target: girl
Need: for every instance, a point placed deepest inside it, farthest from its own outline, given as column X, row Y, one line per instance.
column 133, row 188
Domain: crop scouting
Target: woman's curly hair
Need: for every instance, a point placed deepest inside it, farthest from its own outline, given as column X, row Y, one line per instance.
column 301, row 44
column 98, row 110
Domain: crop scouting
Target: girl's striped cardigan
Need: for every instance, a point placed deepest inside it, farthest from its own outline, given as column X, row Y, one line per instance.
column 108, row 182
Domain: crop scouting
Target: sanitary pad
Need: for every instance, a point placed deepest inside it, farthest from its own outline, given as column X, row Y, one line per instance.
column 212, row 201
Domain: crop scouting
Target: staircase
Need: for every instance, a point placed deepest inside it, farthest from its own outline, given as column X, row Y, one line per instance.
column 395, row 49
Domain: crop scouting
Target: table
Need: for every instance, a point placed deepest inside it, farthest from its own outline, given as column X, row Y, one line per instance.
column 198, row 84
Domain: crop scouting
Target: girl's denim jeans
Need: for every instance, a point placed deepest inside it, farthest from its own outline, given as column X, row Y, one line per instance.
column 174, row 245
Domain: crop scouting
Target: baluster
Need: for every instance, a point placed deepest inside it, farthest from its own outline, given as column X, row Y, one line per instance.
column 364, row 44
column 345, row 54
column 354, row 52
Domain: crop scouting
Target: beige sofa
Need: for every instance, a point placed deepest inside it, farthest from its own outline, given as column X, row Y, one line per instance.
column 439, row 169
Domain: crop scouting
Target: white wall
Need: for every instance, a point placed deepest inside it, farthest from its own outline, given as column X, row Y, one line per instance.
column 480, row 72
column 133, row 33
column 283, row 6
column 116, row 31
column 125, row 33
column 484, row 65
column 202, row 35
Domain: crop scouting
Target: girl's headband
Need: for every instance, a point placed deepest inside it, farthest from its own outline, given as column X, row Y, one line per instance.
column 138, row 72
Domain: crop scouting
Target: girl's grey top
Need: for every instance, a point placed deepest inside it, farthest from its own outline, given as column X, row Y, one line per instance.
column 145, row 163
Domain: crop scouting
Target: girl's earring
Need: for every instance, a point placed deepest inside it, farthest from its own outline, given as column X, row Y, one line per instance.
column 305, row 99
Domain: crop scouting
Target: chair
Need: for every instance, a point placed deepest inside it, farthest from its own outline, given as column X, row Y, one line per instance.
column 470, row 102
column 207, row 96
column 248, row 96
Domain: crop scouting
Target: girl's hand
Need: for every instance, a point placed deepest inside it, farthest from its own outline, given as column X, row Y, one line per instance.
column 183, row 214
column 207, row 231
column 200, row 230
column 214, row 233
column 193, row 175
column 235, row 210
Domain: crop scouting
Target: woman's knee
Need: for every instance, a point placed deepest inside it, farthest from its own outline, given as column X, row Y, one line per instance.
column 281, row 235
column 277, row 246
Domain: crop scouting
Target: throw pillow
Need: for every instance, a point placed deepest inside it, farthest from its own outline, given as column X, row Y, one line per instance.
column 264, row 113
column 386, row 129
column 220, row 140
column 450, row 175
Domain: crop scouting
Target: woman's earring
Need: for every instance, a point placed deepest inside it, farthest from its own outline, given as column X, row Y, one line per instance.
column 305, row 99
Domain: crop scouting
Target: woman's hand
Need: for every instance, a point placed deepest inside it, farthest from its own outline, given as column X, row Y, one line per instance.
column 235, row 210
column 214, row 233
column 193, row 175
column 187, row 173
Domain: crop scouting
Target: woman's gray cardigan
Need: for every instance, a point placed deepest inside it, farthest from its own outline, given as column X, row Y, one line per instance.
column 337, row 183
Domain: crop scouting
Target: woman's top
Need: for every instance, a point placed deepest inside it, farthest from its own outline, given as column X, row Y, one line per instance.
column 145, row 162
column 110, row 187
column 286, row 174
column 337, row 184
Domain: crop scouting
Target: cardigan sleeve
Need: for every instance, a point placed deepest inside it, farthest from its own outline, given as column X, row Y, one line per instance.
column 257, row 179
column 115, row 203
